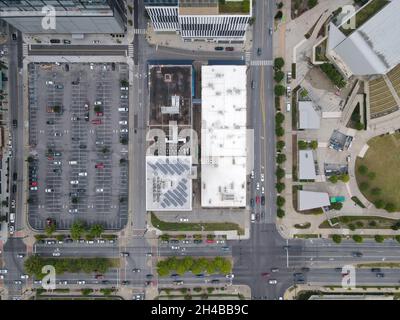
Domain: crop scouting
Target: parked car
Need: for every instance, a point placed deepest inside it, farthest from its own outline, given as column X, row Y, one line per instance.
column 219, row 48
column 229, row 49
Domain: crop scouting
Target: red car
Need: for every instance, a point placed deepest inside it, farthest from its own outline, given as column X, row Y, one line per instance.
column 96, row 121
column 33, row 184
column 99, row 276
column 99, row 114
column 257, row 199
column 99, row 165
column 265, row 274
column 210, row 241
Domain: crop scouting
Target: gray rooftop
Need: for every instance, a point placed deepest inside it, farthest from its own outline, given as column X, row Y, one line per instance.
column 308, row 200
column 306, row 165
column 374, row 48
column 308, row 117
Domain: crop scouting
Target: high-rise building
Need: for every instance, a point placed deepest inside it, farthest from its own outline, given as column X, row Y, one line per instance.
column 210, row 20
column 71, row 16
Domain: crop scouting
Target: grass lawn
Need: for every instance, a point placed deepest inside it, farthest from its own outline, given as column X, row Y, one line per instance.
column 383, row 158
column 234, row 7
column 175, row 226
column 380, row 223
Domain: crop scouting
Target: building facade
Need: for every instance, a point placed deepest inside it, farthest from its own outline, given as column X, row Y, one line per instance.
column 205, row 20
column 72, row 16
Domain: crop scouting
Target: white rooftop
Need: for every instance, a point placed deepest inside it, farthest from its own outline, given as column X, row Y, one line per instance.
column 223, row 136
column 306, row 165
column 168, row 183
column 374, row 48
column 308, row 117
column 308, row 200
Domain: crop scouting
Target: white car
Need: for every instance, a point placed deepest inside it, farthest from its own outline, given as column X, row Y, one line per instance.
column 99, row 190
column 262, row 189
column 11, row 229
column 49, row 82
column 90, row 242
column 73, row 210
column 33, row 188
column 56, row 254
column 64, row 282
column 123, row 122
column 91, row 66
column 24, row 276
column 57, row 163
column 258, row 186
column 272, row 281
column 124, row 130
column 81, row 282
column 124, row 88
column 252, row 174
column 48, row 190
column 124, row 96
column 262, row 177
column 96, row 41
column 37, row 282
column 3, row 271
column 98, row 103
column 101, row 241
column 123, row 109
column 183, row 219
column 230, row 276
column 82, row 174
column 175, row 248
column 1, row 276
column 74, row 181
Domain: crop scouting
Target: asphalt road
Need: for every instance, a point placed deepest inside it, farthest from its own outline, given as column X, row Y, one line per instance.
column 74, row 50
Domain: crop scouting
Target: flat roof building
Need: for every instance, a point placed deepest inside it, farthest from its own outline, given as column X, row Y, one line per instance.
column 371, row 49
column 168, row 183
column 306, row 165
column 210, row 20
column 223, row 136
column 308, row 116
column 72, row 16
column 308, row 200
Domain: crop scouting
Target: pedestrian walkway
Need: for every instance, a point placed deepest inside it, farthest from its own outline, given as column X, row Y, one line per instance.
column 139, row 31
column 130, row 50
column 261, row 63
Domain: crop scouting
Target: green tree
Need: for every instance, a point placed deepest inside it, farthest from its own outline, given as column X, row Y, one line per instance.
column 280, row 201
column 279, row 131
column 279, row 118
column 279, row 63
column 390, row 207
column 312, row 3
column 49, row 230
column 77, row 229
column 280, row 145
column 86, row 291
column 362, row 170
column 280, row 213
column 397, row 238
column 313, row 144
column 359, row 126
column 379, row 204
column 352, row 227
column 278, row 15
column 279, row 76
column 364, row 186
column 333, row 179
column 281, row 158
column 345, row 178
column 379, row 238
column 280, row 186
column 96, row 230
column 376, row 191
column 357, row 238
column 302, row 144
column 279, row 90
column 280, row 173
column 336, row 206
column 337, row 238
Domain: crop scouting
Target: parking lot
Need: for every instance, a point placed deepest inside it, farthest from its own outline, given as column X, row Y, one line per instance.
column 78, row 134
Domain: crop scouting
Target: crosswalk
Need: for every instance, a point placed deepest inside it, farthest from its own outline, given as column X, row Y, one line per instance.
column 130, row 50
column 248, row 57
column 25, row 50
column 261, row 63
column 139, row 31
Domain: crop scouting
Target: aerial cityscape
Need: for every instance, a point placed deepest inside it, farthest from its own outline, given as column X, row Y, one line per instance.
column 200, row 150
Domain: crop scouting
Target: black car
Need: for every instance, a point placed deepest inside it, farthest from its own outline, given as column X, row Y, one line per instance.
column 357, row 254
column 259, row 51
column 219, row 48
column 376, row 270
column 15, row 175
column 14, row 36
column 197, row 241
column 15, row 123
column 124, row 283
column 215, row 281
column 55, row 41
column 262, row 200
column 149, row 276
column 66, row 67
column 252, row 202
column 305, row 269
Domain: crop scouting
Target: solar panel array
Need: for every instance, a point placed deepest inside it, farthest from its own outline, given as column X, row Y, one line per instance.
column 174, row 171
